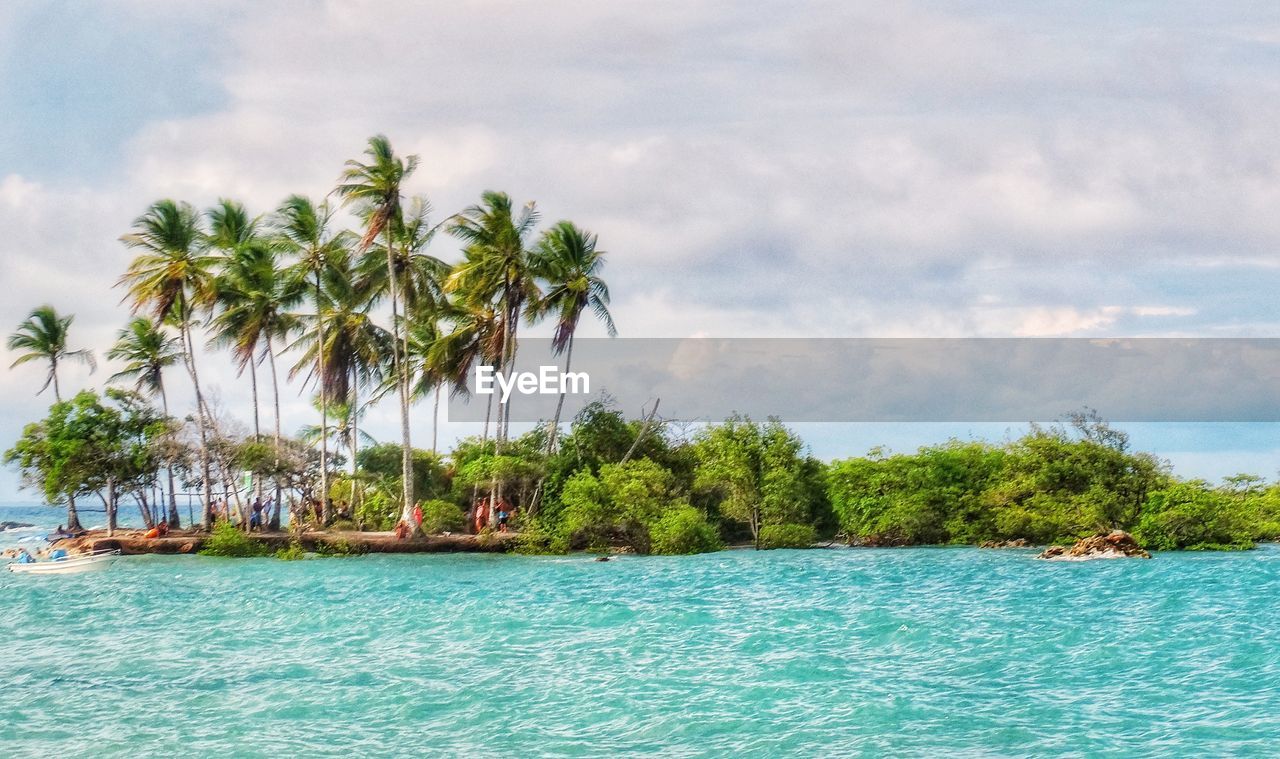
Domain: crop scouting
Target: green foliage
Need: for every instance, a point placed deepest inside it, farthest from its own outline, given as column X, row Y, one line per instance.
column 294, row 552
column 787, row 536
column 1191, row 516
column 757, row 474
column 383, row 461
column 378, row 510
column 684, row 530
column 229, row 542
column 442, row 516
column 90, row 444
column 1046, row 487
column 338, row 547
column 628, row 502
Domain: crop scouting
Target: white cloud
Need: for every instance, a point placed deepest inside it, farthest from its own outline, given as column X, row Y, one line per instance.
column 828, row 169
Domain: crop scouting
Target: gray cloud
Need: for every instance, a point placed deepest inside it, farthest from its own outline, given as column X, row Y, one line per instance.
column 818, row 168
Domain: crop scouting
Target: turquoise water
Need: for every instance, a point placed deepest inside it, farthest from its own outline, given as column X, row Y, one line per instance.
column 819, row 653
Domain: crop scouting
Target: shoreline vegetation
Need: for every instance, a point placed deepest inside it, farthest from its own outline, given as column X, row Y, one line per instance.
column 368, row 315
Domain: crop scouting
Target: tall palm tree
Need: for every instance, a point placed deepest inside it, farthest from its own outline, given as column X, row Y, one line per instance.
column 172, row 278
column 147, row 350
column 43, row 335
column 496, row 268
column 375, row 189
column 246, row 262
column 353, row 348
column 475, row 338
column 302, row 229
column 344, row 433
column 425, row 377
column 569, row 262
column 255, row 294
column 419, row 276
column 420, row 279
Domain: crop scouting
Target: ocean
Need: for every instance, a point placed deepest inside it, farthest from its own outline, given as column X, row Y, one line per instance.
column 839, row 652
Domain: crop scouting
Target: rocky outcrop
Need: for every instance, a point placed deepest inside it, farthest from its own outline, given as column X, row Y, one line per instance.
column 1015, row 543
column 13, row 526
column 1116, row 545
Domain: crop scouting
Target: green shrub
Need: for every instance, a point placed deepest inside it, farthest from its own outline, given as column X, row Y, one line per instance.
column 338, row 547
column 343, row 525
column 442, row 516
column 227, row 541
column 787, row 536
column 1191, row 516
column 683, row 530
column 294, row 552
column 536, row 540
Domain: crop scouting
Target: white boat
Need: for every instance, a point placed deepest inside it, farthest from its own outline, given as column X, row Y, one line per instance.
column 95, row 562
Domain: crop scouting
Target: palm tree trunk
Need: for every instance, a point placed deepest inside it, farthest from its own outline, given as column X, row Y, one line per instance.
column 402, row 384
column 53, row 372
column 484, row 440
column 275, row 391
column 435, row 421
column 324, row 408
column 144, row 511
column 202, row 419
column 355, row 437
column 111, row 506
column 73, row 517
column 173, row 496
column 555, row 421
column 253, row 385
column 257, row 427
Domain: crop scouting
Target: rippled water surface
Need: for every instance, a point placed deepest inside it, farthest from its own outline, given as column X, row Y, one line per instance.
column 818, row 653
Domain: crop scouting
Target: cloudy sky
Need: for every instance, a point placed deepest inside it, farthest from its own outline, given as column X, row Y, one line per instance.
column 754, row 169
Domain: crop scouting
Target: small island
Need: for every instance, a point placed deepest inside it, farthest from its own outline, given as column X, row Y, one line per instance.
column 369, row 315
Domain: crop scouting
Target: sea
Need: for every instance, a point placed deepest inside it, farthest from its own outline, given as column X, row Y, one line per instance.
column 819, row 653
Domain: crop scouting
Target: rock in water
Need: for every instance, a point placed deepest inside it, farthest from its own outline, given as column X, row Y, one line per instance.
column 1116, row 545
column 1015, row 543
column 13, row 526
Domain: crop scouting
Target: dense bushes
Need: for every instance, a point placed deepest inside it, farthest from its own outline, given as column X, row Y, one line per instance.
column 787, row 536
column 638, row 503
column 683, row 530
column 1192, row 516
column 228, row 541
column 1050, row 486
column 442, row 516
column 617, row 483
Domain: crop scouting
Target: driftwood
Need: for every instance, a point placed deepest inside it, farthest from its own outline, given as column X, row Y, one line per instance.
column 644, row 430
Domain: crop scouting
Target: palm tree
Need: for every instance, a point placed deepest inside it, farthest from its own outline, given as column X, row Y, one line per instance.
column 302, row 229
column 256, row 296
column 375, row 188
column 43, row 335
column 172, row 278
column 420, row 279
column 496, row 268
column 568, row 261
column 147, row 350
column 425, row 377
column 343, row 433
column 353, row 347
column 246, row 262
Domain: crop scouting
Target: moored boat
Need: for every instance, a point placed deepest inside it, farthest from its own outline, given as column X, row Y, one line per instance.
column 94, row 562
